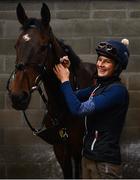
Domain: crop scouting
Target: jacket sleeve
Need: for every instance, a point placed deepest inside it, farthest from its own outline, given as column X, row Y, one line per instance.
column 83, row 94
column 115, row 95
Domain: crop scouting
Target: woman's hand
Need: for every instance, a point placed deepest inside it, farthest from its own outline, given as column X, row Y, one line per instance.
column 61, row 72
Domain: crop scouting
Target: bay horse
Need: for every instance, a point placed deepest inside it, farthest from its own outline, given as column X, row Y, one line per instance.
column 37, row 52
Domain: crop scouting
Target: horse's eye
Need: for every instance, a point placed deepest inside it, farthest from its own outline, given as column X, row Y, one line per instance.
column 13, row 76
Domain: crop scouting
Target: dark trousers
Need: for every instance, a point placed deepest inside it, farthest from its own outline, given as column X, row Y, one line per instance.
column 100, row 170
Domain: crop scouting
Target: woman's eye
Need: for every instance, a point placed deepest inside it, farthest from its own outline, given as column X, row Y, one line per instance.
column 108, row 61
column 99, row 60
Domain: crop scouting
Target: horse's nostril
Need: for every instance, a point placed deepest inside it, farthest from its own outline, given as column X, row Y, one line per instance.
column 20, row 98
column 25, row 94
column 20, row 101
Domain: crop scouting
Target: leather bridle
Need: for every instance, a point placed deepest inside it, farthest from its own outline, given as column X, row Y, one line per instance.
column 37, row 87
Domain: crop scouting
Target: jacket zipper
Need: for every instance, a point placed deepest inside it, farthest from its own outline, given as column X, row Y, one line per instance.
column 86, row 131
column 93, row 92
column 92, row 146
column 94, row 141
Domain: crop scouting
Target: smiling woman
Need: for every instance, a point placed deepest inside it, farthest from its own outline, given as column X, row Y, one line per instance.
column 105, row 106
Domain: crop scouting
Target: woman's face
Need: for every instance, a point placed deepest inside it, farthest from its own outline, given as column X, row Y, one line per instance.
column 105, row 66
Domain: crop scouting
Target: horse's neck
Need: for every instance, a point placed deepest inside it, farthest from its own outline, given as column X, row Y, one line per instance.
column 57, row 48
column 54, row 96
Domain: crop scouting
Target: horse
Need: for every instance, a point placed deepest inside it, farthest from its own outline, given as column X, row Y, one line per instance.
column 37, row 52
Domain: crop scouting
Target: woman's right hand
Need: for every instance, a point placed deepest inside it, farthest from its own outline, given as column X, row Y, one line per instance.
column 61, row 72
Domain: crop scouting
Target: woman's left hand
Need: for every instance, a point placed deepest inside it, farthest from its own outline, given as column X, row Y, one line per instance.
column 61, row 72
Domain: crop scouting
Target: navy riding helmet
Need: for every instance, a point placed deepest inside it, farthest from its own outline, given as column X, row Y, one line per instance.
column 115, row 50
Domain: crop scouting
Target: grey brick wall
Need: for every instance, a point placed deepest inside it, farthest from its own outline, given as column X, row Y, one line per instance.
column 81, row 24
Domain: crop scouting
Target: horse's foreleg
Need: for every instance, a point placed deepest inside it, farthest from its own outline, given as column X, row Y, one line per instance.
column 64, row 158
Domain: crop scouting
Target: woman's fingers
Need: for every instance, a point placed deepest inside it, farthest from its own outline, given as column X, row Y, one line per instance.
column 61, row 72
column 58, row 68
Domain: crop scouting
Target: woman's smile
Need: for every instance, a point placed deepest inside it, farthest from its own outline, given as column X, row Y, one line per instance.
column 105, row 66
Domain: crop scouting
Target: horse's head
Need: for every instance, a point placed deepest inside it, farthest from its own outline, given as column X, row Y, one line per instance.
column 33, row 57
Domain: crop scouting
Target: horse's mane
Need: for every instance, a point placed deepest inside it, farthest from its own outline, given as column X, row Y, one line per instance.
column 74, row 59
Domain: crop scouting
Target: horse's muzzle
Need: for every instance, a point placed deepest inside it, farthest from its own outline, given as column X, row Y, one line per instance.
column 20, row 101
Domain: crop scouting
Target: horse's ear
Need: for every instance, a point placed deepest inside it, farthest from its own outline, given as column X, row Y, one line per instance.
column 45, row 14
column 21, row 15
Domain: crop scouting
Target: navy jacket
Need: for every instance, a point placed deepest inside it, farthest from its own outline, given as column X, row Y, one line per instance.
column 105, row 107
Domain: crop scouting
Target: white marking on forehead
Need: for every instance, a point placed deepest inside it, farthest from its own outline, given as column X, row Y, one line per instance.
column 26, row 37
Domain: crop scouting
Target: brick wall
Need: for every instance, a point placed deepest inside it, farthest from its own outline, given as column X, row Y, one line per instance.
column 81, row 24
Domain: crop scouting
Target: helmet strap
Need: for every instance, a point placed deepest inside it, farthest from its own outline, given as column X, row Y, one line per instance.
column 118, row 70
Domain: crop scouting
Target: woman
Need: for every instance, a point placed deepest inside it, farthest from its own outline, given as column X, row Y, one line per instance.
column 104, row 107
